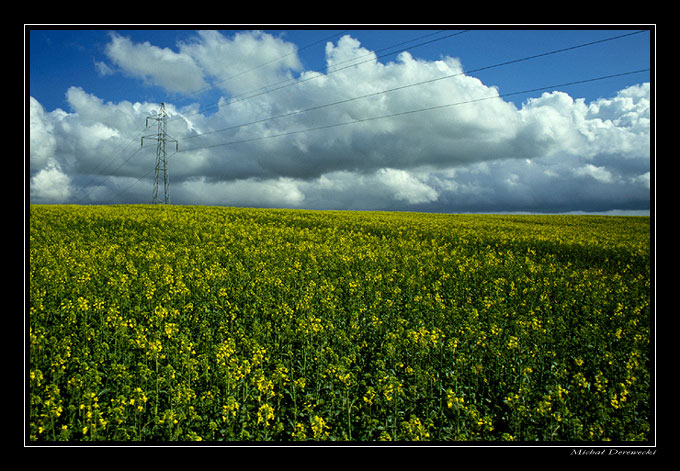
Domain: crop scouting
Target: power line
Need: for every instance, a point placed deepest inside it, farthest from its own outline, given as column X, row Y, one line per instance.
column 571, row 48
column 392, row 115
column 246, row 96
column 403, row 113
column 429, row 108
column 457, row 74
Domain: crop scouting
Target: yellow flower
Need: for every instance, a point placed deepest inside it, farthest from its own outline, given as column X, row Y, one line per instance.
column 299, row 432
column 452, row 400
column 319, row 427
column 231, row 408
column 265, row 414
column 513, row 342
column 368, row 397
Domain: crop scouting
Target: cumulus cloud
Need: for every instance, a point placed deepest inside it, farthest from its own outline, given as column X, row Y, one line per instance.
column 176, row 72
column 600, row 174
column 554, row 153
column 50, row 184
column 41, row 136
column 406, row 187
column 281, row 192
column 229, row 59
column 455, row 136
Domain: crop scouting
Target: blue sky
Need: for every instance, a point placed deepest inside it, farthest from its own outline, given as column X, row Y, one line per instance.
column 81, row 82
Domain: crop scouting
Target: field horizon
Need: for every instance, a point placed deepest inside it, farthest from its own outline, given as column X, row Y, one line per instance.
column 612, row 213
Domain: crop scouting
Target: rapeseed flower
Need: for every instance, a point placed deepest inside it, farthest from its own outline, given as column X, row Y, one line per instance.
column 245, row 324
column 319, row 428
column 264, row 414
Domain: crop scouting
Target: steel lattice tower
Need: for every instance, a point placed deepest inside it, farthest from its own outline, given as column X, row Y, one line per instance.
column 161, row 156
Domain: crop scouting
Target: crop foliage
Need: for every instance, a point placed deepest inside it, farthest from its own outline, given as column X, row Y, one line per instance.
column 174, row 323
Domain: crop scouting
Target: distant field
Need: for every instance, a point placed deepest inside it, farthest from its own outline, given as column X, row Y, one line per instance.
column 173, row 323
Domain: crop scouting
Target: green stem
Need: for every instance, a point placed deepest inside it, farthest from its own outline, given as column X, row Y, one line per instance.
column 155, row 407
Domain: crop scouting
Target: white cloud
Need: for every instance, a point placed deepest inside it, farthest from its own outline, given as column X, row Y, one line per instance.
column 555, row 152
column 619, row 125
column 244, row 62
column 405, row 187
column 103, row 69
column 50, row 184
column 176, row 72
column 644, row 179
column 600, row 174
column 281, row 192
column 42, row 142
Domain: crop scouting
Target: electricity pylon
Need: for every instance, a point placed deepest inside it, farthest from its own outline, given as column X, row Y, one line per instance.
column 161, row 157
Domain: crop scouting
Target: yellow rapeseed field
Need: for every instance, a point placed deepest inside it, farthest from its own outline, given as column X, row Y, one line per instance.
column 174, row 323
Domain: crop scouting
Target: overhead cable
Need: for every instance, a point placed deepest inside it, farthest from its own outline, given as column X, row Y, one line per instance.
column 264, row 90
column 457, row 74
column 419, row 110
